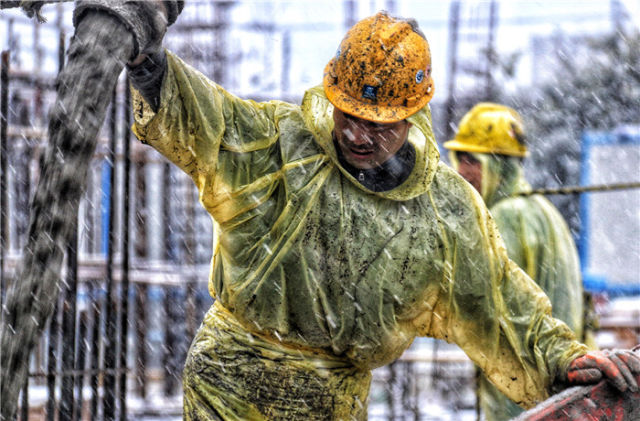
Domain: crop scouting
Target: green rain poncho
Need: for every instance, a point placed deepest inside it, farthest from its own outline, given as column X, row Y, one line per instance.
column 538, row 240
column 318, row 280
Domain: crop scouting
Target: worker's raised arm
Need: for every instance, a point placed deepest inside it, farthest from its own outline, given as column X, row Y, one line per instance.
column 178, row 110
column 197, row 120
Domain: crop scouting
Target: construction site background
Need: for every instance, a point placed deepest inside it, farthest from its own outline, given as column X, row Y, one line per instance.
column 260, row 50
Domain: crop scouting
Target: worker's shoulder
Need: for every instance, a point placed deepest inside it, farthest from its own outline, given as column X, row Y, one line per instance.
column 526, row 205
column 518, row 204
column 535, row 212
column 296, row 139
column 447, row 182
column 515, row 212
column 451, row 194
column 286, row 109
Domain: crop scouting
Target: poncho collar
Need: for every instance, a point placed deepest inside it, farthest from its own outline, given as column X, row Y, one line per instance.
column 318, row 116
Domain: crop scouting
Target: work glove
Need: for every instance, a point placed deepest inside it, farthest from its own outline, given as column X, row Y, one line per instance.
column 146, row 20
column 620, row 367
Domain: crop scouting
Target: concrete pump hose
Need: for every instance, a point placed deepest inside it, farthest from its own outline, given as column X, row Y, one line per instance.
column 96, row 57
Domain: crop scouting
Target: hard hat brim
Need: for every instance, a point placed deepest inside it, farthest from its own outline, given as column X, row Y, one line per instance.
column 367, row 111
column 455, row 145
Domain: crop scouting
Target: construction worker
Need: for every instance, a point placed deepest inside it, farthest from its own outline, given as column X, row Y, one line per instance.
column 340, row 237
column 487, row 151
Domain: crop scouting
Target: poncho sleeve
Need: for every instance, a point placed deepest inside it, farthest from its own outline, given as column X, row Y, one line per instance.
column 490, row 307
column 198, row 121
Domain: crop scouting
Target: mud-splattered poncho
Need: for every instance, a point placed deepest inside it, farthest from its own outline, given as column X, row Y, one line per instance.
column 317, row 280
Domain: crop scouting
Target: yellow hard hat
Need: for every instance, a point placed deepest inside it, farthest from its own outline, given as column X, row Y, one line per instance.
column 381, row 71
column 490, row 128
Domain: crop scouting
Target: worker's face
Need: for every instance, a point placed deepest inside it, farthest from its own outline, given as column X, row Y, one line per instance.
column 365, row 144
column 470, row 169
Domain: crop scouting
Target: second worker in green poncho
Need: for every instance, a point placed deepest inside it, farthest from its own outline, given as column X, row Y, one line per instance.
column 340, row 237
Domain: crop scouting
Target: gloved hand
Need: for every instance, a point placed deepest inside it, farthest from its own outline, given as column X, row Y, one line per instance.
column 620, row 367
column 146, row 20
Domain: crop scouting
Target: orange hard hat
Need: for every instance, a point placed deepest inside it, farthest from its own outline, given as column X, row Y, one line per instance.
column 381, row 71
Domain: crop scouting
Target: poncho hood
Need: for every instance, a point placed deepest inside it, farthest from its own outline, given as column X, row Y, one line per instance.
column 318, row 116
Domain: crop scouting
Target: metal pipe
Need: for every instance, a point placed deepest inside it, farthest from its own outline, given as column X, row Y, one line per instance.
column 4, row 202
column 583, row 189
column 452, row 66
column 286, row 62
column 81, row 350
column 23, row 154
column 490, row 53
column 140, row 250
column 95, row 300
column 171, row 348
column 75, row 372
column 476, row 381
column 190, row 246
column 350, row 13
column 141, row 340
column 174, row 314
column 110, row 341
column 124, row 283
column 169, row 252
column 391, row 385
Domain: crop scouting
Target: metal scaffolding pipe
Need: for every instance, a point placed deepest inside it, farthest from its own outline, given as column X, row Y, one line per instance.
column 4, row 203
column 124, row 282
column 111, row 307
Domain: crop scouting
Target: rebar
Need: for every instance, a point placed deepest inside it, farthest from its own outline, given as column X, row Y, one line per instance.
column 584, row 189
column 96, row 301
column 141, row 339
column 81, row 347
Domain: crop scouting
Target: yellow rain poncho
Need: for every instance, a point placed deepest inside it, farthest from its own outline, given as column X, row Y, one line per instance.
column 538, row 240
column 318, row 280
